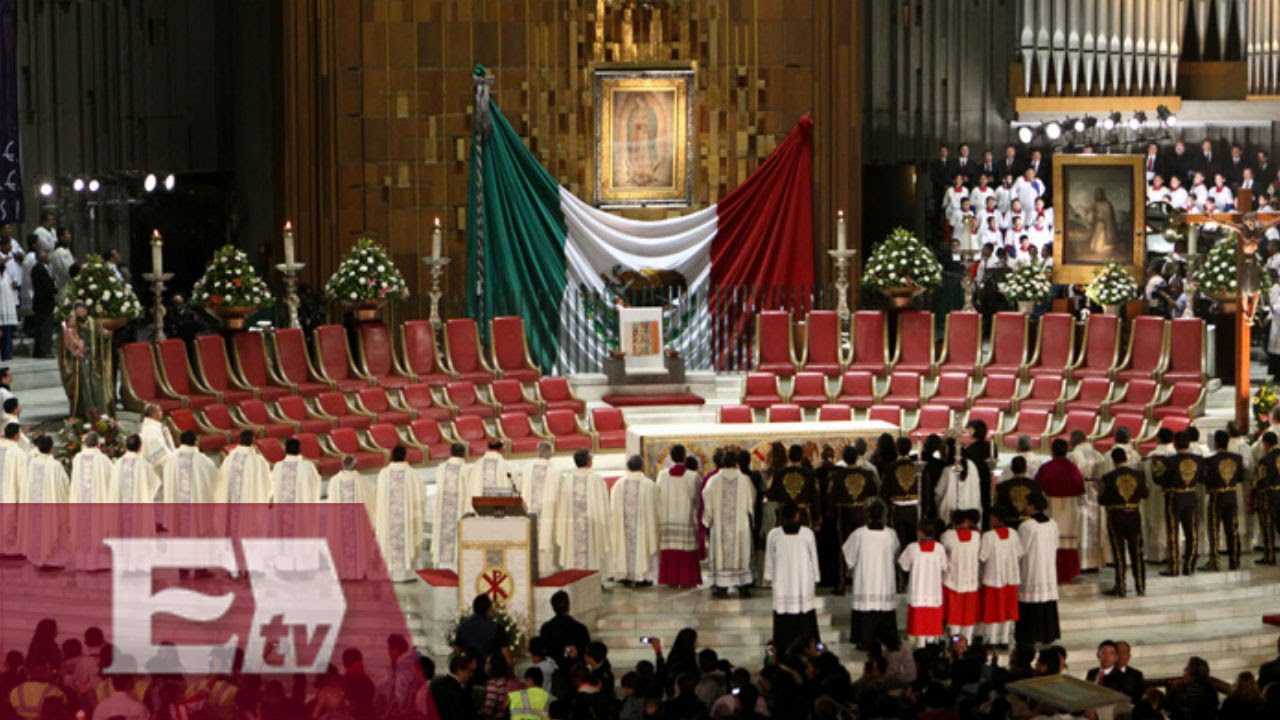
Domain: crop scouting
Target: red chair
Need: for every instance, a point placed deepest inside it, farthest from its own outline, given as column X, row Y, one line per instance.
column 1136, row 424
column 325, row 462
column 1138, row 397
column 1091, row 393
column 422, row 401
column 1148, row 352
column 1045, row 393
column 1033, row 423
column 555, row 394
column 1008, row 345
column 735, row 415
column 778, row 355
column 992, row 417
column 294, row 409
column 510, row 349
column 784, row 413
column 610, row 428
column 567, row 432
column 216, row 418
column 962, row 344
column 932, row 420
column 295, row 362
column 891, row 414
column 375, row 401
column 385, row 436
column 999, row 392
column 421, row 356
column 140, row 380
column 334, row 361
column 809, row 390
column 181, row 420
column 1055, row 346
column 345, row 441
column 256, row 413
column 822, row 353
column 517, row 432
column 870, row 343
column 835, row 413
column 378, row 358
column 1187, row 343
column 271, row 448
column 857, row 390
column 914, row 351
column 425, row 434
column 253, row 368
column 1184, row 399
column 1148, row 442
column 333, row 406
column 509, row 395
column 471, row 430
column 1101, row 348
column 1086, row 421
column 462, row 348
column 460, row 398
column 762, row 390
column 176, row 375
column 904, row 390
column 952, row 390
column 213, row 367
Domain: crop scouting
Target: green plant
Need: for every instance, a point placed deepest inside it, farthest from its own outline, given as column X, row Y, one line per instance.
column 231, row 281
column 1264, row 400
column 1111, row 285
column 101, row 290
column 901, row 260
column 366, row 273
column 1029, row 282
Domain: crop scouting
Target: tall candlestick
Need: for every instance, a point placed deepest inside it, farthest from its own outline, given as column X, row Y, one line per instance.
column 842, row 238
column 288, row 243
column 436, row 241
column 157, row 253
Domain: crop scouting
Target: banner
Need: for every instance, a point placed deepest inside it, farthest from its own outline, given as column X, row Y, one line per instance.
column 11, row 210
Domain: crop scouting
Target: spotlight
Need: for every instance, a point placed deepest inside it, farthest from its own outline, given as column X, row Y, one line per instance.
column 94, row 185
column 78, row 185
column 149, row 183
column 1026, row 134
column 1077, row 124
column 1053, row 131
column 46, row 189
column 1166, row 115
column 170, row 182
column 1110, row 121
column 1138, row 120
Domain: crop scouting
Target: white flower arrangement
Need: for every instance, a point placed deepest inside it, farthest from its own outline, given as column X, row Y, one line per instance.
column 231, row 281
column 1028, row 282
column 1217, row 274
column 101, row 290
column 1111, row 285
column 366, row 273
column 510, row 634
column 901, row 260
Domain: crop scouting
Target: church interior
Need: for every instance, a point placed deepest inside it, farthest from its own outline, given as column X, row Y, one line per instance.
column 685, row 359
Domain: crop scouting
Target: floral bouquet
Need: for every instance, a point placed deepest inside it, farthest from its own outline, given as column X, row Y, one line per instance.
column 1111, row 285
column 1217, row 274
column 70, row 438
column 366, row 274
column 1028, row 282
column 901, row 260
column 509, row 633
column 230, row 281
column 99, row 287
column 1264, row 400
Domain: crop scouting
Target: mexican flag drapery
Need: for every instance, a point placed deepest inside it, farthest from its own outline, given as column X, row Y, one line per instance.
column 533, row 245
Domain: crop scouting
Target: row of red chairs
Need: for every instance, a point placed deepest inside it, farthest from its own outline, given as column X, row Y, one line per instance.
column 1168, row 350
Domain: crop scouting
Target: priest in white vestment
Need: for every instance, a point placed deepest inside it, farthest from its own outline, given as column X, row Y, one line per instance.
column 678, row 497
column 1090, row 462
column 791, row 566
column 294, row 479
column 349, row 523
column 728, row 501
column 959, row 487
column 1038, row 592
column 400, row 507
column 190, row 480
column 538, row 486
column 490, row 474
column 452, row 502
column 870, row 553
column 90, row 481
column 42, row 520
column 14, row 418
column 157, row 442
column 134, row 486
column 633, row 526
column 582, row 516
column 295, row 489
column 246, row 478
column 13, row 478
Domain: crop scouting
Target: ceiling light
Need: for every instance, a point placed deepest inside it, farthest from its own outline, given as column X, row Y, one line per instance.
column 1053, row 131
column 170, row 182
column 94, row 185
column 149, row 183
column 46, row 189
column 78, row 184
column 1026, row 134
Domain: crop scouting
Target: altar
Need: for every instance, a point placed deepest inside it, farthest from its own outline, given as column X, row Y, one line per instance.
column 653, row 442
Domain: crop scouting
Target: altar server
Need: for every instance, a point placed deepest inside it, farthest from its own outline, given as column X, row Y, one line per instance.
column 538, row 486
column 42, row 521
column 582, row 516
column 349, row 522
column 791, row 566
column 633, row 526
column 925, row 561
column 90, row 483
column 1038, row 593
column 452, row 502
column 1221, row 194
column 490, row 474
column 13, row 480
column 959, row 488
column 399, row 507
column 157, row 442
column 870, row 553
column 678, row 496
column 960, row 584
column 246, row 478
column 728, row 501
column 190, row 478
column 1000, row 553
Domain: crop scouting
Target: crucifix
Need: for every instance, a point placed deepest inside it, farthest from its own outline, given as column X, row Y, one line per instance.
column 1250, row 228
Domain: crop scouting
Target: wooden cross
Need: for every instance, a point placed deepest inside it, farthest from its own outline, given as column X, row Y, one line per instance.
column 1250, row 228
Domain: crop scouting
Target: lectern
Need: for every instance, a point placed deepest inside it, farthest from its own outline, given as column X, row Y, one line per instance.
column 497, row 548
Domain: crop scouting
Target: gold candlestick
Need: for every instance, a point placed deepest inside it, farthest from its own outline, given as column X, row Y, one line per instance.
column 843, row 259
column 157, row 306
column 966, row 281
column 436, row 266
column 290, row 271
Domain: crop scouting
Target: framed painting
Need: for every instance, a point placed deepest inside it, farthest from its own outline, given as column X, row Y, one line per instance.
column 644, row 127
column 1099, row 214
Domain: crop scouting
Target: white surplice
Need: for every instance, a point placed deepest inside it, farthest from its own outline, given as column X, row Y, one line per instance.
column 677, row 510
column 295, row 479
column 633, row 529
column 190, row 479
column 157, row 443
column 1001, row 559
column 727, row 502
column 452, row 502
column 582, row 520
column 246, row 478
column 489, row 474
column 1090, row 462
column 870, row 555
column 134, row 485
column 42, row 519
column 90, row 485
column 400, row 505
column 791, row 565
column 350, row 525
column 538, row 487
column 1038, row 567
column 962, row 559
column 926, row 568
column 952, row 493
column 13, row 477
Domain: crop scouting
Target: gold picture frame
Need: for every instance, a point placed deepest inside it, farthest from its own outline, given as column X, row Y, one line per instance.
column 644, row 127
column 1099, row 206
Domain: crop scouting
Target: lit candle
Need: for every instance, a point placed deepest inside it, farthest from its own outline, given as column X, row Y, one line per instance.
column 157, row 253
column 288, row 243
column 842, row 237
column 436, row 240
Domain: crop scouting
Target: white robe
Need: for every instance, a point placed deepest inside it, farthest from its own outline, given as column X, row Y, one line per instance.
column 349, row 525
column 190, row 479
column 924, row 587
column 90, row 485
column 677, row 511
column 791, row 565
column 633, row 529
column 870, row 555
column 962, row 560
column 22, row 440
column 538, row 486
column 1090, row 463
column 134, row 485
column 13, row 478
column 1001, row 559
column 1038, row 568
column 246, row 478
column 490, row 473
column 582, row 518
column 952, row 493
column 1155, row 544
column 157, row 443
column 1273, row 329
column 295, row 479
column 42, row 531
column 10, row 283
column 727, row 503
column 400, row 505
column 452, row 502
